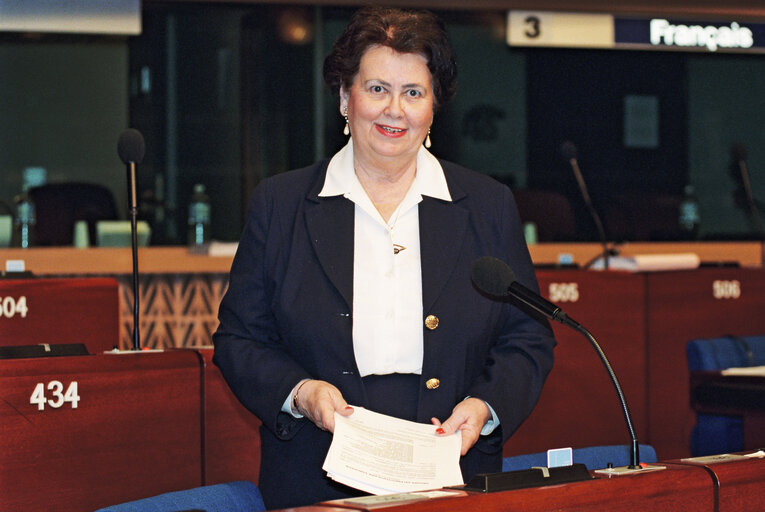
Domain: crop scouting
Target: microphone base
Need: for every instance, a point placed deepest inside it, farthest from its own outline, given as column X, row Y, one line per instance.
column 534, row 477
column 627, row 470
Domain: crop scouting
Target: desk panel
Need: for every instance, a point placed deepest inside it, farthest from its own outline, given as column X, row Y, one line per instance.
column 703, row 303
column 67, row 310
column 675, row 489
column 579, row 406
column 116, row 428
column 740, row 483
column 231, row 438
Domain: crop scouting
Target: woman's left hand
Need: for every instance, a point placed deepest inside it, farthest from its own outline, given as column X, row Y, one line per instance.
column 469, row 416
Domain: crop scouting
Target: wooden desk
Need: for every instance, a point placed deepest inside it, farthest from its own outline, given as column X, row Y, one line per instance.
column 746, row 254
column 681, row 306
column 740, row 484
column 134, row 430
column 714, row 393
column 71, row 310
column 579, row 406
column 675, row 489
column 231, row 432
column 179, row 291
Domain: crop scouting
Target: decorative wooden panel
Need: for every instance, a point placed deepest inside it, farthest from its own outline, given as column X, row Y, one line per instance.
column 176, row 310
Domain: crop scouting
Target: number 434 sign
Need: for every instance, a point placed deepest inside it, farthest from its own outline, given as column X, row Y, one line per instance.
column 53, row 395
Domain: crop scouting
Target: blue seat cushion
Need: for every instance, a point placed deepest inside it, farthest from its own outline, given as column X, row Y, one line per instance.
column 239, row 496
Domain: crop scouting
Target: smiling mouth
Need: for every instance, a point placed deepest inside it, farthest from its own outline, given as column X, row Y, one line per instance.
column 389, row 130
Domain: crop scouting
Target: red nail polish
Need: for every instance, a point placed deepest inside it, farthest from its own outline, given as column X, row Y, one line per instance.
column 439, row 430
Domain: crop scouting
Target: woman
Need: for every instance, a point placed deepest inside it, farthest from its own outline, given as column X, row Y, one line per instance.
column 351, row 284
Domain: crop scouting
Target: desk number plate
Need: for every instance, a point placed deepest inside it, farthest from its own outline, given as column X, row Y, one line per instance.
column 56, row 396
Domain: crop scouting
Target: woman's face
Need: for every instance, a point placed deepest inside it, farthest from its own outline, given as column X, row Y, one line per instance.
column 390, row 104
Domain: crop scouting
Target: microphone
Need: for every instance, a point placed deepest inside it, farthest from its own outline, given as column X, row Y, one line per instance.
column 496, row 279
column 569, row 152
column 131, row 149
column 738, row 153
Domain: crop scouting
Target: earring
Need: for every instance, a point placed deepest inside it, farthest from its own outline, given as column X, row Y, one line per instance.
column 427, row 140
column 347, row 129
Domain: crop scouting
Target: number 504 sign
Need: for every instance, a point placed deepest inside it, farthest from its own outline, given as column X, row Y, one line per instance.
column 53, row 395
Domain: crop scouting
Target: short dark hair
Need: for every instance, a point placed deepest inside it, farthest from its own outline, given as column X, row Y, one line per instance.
column 403, row 30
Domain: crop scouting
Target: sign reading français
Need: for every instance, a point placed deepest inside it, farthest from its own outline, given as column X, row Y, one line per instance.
column 580, row 30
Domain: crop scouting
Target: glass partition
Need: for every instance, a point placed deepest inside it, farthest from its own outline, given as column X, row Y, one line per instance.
column 228, row 94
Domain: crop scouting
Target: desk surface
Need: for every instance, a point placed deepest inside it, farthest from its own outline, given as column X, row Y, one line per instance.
column 172, row 260
column 115, row 261
column 738, row 478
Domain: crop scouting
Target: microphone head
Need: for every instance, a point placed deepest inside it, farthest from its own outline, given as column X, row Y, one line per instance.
column 738, row 152
column 568, row 150
column 131, row 147
column 492, row 276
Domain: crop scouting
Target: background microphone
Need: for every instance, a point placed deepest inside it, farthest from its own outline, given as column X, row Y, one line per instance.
column 568, row 150
column 496, row 279
column 131, row 149
column 738, row 154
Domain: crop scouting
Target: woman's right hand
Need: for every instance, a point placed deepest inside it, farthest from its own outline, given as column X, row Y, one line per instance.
column 318, row 401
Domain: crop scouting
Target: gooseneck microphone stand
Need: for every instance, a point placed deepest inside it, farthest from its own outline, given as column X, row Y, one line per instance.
column 131, row 149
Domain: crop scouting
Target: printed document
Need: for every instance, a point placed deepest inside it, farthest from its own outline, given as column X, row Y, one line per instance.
column 381, row 454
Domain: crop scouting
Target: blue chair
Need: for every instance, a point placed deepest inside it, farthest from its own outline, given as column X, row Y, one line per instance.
column 239, row 496
column 714, row 434
column 594, row 457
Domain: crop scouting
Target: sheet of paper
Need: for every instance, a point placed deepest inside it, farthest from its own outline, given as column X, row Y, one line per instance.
column 757, row 371
column 380, row 454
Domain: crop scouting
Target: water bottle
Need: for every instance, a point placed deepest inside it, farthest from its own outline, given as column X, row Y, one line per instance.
column 199, row 217
column 690, row 217
column 24, row 223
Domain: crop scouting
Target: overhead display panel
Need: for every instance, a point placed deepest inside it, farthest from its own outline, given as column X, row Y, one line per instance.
column 580, row 30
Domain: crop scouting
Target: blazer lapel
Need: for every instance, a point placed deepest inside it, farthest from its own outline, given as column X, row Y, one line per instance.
column 329, row 221
column 442, row 233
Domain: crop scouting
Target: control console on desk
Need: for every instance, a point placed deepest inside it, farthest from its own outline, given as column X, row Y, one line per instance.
column 675, row 489
column 60, row 311
column 84, row 432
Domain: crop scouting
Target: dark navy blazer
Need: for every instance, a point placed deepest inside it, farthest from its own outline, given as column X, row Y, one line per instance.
column 287, row 315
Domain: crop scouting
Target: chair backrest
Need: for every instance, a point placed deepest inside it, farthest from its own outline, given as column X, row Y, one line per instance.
column 59, row 205
column 640, row 216
column 725, row 352
column 550, row 211
column 594, row 457
column 241, row 496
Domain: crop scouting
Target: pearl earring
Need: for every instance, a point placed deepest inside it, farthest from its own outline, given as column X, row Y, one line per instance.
column 427, row 140
column 347, row 128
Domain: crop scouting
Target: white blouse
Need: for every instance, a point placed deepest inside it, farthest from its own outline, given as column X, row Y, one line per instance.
column 387, row 280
